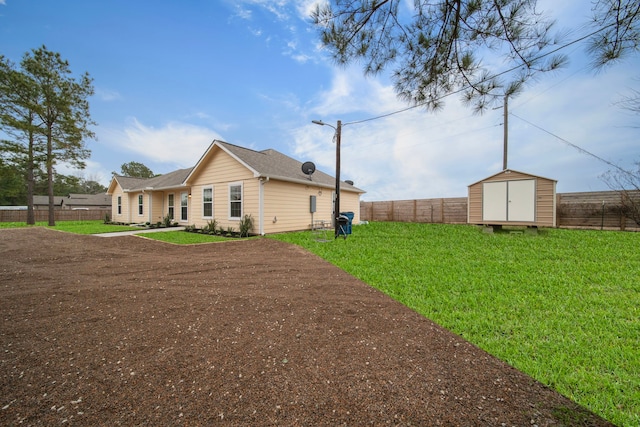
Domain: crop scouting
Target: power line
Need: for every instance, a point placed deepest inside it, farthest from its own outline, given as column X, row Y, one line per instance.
column 580, row 149
column 483, row 80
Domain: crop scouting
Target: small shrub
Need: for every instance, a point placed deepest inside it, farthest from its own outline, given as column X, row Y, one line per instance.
column 246, row 226
column 230, row 232
column 167, row 220
column 211, row 226
column 107, row 218
column 190, row 228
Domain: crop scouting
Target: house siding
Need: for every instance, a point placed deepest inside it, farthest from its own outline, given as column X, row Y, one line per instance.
column 222, row 170
column 124, row 214
column 286, row 206
column 350, row 202
column 158, row 208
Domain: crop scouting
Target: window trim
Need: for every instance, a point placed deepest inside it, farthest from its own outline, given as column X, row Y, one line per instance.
column 241, row 201
column 140, row 205
column 171, row 205
column 183, row 218
column 204, row 215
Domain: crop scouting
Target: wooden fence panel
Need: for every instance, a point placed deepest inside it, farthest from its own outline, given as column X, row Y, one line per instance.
column 450, row 210
column 60, row 215
column 597, row 209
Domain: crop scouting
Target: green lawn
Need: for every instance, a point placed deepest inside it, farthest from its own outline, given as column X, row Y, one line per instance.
column 562, row 306
column 183, row 238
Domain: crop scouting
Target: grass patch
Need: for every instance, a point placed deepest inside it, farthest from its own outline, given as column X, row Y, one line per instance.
column 183, row 238
column 562, row 306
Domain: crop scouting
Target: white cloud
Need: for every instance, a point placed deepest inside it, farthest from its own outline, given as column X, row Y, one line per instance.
column 93, row 171
column 418, row 154
column 175, row 143
column 108, row 95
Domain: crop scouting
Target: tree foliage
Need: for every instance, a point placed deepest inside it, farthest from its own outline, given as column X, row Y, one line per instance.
column 46, row 112
column 619, row 35
column 12, row 188
column 435, row 46
column 24, row 150
column 631, row 102
column 627, row 183
column 136, row 169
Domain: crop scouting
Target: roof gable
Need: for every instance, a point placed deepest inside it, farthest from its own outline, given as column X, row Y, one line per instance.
column 507, row 171
column 161, row 182
column 269, row 164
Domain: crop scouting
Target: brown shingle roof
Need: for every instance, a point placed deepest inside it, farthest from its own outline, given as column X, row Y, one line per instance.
column 168, row 180
column 266, row 163
column 75, row 199
column 273, row 164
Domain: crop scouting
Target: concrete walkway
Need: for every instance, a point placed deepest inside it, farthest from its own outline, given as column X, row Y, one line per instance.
column 139, row 231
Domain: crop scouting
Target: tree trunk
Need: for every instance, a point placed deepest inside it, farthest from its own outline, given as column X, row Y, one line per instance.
column 52, row 213
column 31, row 218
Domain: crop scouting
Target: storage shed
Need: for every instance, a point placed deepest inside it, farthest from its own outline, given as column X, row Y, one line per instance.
column 513, row 198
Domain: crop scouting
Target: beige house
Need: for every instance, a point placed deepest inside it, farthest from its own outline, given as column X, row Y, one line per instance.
column 229, row 182
column 513, row 198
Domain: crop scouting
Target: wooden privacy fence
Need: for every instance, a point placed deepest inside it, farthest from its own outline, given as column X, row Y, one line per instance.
column 597, row 209
column 60, row 215
column 447, row 211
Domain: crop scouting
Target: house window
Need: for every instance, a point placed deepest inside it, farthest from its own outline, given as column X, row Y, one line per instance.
column 119, row 205
column 171, row 205
column 235, row 201
column 207, row 202
column 140, row 205
column 184, row 206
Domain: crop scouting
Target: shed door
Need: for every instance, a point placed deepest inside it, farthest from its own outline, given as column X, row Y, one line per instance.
column 509, row 201
column 522, row 200
column 494, row 201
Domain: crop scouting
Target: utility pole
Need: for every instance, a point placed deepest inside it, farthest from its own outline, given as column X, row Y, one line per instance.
column 506, row 133
column 336, row 205
column 336, row 202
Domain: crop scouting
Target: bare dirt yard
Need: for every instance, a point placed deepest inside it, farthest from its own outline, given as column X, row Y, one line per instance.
column 130, row 331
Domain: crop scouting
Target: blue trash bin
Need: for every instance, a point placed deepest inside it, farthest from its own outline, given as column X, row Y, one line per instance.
column 347, row 227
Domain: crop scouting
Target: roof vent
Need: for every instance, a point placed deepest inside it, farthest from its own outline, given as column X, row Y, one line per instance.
column 349, row 182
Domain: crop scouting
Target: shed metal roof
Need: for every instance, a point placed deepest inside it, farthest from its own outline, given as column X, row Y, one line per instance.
column 512, row 170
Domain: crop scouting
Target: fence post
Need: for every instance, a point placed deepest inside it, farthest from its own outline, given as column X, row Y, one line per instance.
column 415, row 210
column 623, row 219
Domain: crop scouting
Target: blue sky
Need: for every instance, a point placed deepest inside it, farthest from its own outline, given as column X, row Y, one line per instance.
column 170, row 77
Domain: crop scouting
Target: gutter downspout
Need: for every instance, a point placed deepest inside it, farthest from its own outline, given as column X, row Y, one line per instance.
column 262, row 181
column 150, row 208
